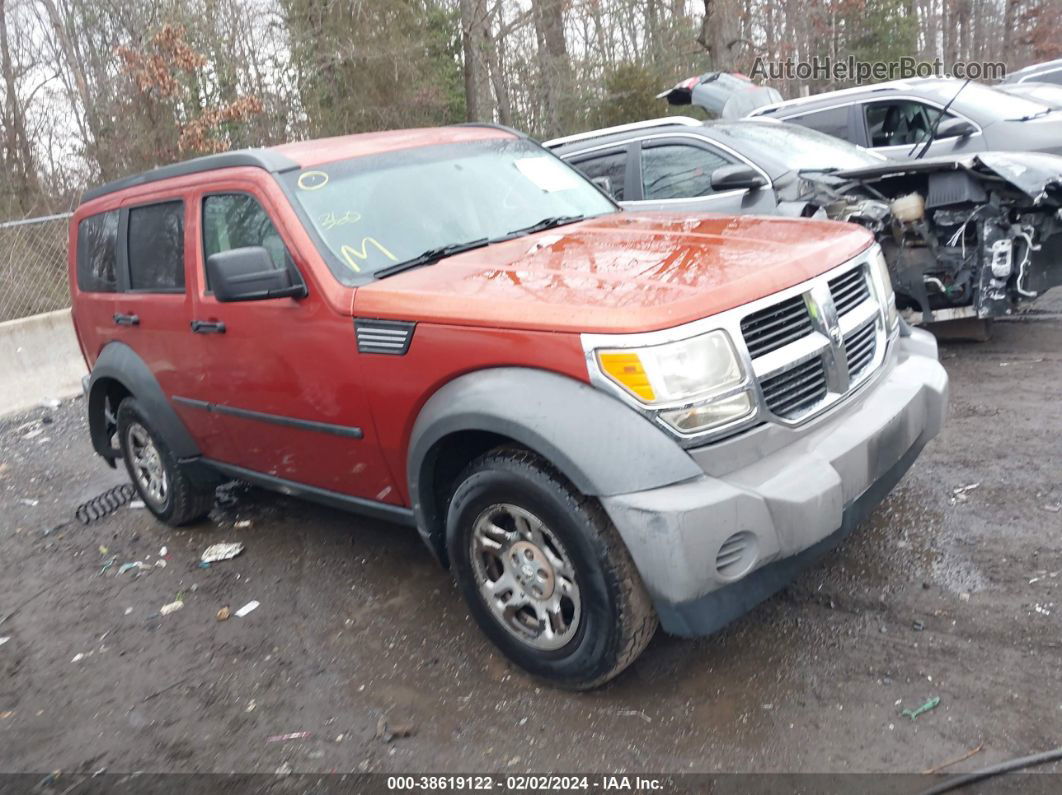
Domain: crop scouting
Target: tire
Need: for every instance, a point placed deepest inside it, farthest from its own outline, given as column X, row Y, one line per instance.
column 585, row 614
column 179, row 501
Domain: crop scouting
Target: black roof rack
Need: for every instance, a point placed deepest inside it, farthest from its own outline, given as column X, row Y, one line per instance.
column 267, row 159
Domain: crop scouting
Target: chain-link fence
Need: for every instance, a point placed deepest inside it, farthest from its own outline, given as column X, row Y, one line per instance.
column 33, row 266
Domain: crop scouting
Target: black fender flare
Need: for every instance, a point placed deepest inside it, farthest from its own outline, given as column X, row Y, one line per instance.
column 601, row 445
column 119, row 363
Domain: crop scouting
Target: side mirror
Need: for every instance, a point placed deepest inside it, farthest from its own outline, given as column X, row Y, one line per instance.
column 954, row 128
column 737, row 177
column 248, row 274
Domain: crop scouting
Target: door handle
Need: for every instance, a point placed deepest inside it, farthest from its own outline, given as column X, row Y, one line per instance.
column 208, row 327
column 126, row 320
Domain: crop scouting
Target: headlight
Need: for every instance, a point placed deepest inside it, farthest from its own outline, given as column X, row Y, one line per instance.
column 883, row 281
column 695, row 382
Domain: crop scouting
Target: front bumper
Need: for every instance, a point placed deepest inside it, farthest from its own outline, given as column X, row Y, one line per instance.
column 774, row 499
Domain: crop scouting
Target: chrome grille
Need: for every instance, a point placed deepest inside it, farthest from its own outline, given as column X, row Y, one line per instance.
column 776, row 326
column 859, row 347
column 815, row 345
column 792, row 392
column 849, row 290
column 802, row 350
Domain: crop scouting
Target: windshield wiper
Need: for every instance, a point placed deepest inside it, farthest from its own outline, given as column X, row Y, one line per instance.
column 549, row 222
column 432, row 255
column 936, row 123
column 1036, row 115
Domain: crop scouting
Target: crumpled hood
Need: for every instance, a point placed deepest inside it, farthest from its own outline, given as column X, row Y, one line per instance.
column 620, row 273
column 1036, row 174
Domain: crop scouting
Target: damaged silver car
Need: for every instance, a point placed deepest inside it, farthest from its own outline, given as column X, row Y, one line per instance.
column 965, row 236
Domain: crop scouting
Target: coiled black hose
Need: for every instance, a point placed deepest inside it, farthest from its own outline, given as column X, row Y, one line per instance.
column 104, row 504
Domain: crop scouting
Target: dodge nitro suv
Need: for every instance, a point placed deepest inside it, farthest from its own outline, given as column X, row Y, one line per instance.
column 599, row 420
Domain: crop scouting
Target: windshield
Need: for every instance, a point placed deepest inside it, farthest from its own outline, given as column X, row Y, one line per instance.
column 795, row 147
column 1000, row 104
column 371, row 213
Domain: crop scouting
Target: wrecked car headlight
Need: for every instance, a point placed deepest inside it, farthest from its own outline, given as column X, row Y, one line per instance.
column 696, row 383
column 879, row 270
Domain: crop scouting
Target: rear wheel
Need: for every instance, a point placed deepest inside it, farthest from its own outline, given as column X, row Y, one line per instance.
column 544, row 572
column 160, row 480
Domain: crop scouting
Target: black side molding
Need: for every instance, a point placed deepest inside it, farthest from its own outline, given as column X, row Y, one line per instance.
column 344, row 502
column 349, row 431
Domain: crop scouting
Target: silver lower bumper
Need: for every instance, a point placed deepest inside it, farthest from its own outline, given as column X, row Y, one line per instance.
column 773, row 496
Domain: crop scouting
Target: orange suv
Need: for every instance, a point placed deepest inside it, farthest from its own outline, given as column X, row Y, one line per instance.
column 599, row 420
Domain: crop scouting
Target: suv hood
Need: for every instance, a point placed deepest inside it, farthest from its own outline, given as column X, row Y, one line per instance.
column 619, row 273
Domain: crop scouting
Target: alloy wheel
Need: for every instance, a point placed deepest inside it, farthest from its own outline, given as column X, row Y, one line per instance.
column 525, row 576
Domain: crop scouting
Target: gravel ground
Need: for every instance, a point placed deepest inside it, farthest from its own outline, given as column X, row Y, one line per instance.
column 940, row 594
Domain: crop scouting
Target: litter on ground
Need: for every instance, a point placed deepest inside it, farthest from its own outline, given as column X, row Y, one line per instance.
column 281, row 738
column 217, row 552
column 959, row 492
column 172, row 607
column 247, row 608
column 136, row 564
column 388, row 731
column 914, row 713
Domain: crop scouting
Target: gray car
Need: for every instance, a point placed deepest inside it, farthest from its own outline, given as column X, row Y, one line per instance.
column 1046, row 93
column 897, row 118
column 966, row 237
column 1046, row 72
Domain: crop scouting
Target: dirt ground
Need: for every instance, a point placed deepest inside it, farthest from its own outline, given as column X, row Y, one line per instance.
column 940, row 594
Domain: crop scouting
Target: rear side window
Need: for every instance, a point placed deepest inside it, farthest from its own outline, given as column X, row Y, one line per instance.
column 607, row 171
column 832, row 122
column 679, row 171
column 156, row 247
column 236, row 220
column 97, row 253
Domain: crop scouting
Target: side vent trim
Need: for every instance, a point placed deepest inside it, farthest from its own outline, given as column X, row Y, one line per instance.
column 390, row 337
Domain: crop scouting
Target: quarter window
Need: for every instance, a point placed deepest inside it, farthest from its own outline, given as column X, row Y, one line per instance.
column 156, row 247
column 237, row 220
column 607, row 171
column 679, row 171
column 97, row 253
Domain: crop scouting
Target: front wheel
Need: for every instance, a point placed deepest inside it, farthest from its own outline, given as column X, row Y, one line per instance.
column 544, row 572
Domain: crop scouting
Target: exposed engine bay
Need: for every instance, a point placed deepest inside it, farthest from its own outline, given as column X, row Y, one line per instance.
column 968, row 236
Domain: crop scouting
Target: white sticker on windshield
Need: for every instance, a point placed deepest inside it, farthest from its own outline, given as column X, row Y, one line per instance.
column 547, row 173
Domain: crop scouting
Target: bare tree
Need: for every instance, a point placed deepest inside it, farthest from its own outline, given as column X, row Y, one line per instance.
column 476, row 45
column 554, row 63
